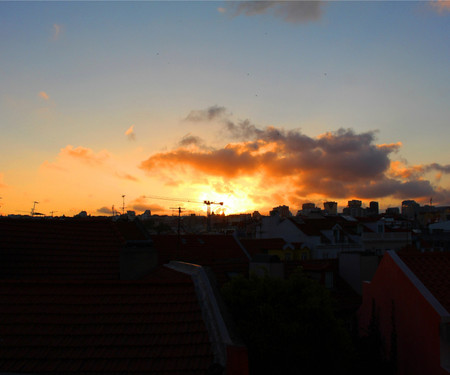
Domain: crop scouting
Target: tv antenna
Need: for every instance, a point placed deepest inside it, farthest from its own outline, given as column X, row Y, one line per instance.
column 180, row 209
column 123, row 204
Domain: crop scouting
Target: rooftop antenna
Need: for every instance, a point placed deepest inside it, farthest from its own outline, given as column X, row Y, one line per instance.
column 123, row 204
column 52, row 212
column 180, row 209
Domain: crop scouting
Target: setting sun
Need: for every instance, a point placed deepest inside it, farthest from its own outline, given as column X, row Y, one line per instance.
column 231, row 203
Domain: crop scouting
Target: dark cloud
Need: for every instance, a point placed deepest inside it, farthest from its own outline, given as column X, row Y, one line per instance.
column 342, row 155
column 395, row 188
column 190, row 139
column 141, row 204
column 437, row 167
column 289, row 11
column 140, row 207
column 339, row 164
column 243, row 130
column 209, row 114
column 105, row 210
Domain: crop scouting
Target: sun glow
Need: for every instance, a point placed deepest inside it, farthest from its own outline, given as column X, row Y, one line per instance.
column 232, row 204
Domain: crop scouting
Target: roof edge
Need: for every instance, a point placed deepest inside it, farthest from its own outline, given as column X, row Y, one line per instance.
column 432, row 300
column 238, row 241
column 215, row 323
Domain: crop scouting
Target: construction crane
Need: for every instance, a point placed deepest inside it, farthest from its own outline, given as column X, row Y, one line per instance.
column 184, row 200
column 33, row 210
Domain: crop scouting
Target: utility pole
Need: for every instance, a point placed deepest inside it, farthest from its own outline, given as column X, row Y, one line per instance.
column 180, row 209
column 123, row 204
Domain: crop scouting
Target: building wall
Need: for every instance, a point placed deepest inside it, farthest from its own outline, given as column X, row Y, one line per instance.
column 355, row 268
column 417, row 322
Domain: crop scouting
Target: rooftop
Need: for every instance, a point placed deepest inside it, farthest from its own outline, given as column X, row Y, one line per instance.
column 433, row 270
column 59, row 249
column 69, row 327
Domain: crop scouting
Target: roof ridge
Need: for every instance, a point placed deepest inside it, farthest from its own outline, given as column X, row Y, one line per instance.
column 426, row 293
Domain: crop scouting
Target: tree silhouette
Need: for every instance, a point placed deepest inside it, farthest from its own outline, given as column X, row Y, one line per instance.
column 288, row 325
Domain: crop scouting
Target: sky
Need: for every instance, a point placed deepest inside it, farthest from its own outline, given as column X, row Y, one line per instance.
column 254, row 104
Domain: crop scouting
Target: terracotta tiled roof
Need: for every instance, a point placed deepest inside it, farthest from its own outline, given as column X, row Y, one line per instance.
column 433, row 270
column 152, row 326
column 59, row 249
column 219, row 252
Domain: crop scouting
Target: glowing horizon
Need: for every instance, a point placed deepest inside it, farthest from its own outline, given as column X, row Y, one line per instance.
column 255, row 106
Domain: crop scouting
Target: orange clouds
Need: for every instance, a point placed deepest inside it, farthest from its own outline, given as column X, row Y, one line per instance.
column 85, row 155
column 126, row 176
column 400, row 170
column 130, row 133
column 440, row 6
column 69, row 157
column 339, row 164
column 43, row 95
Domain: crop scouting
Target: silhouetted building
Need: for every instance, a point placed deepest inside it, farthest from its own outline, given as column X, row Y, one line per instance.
column 373, row 208
column 330, row 208
column 281, row 211
column 354, row 208
column 392, row 211
column 410, row 209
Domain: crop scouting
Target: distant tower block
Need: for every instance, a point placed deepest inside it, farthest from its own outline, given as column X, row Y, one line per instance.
column 374, row 208
column 330, row 208
column 282, row 211
column 308, row 206
column 355, row 203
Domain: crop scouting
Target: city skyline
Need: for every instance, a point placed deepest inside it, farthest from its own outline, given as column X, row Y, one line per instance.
column 254, row 104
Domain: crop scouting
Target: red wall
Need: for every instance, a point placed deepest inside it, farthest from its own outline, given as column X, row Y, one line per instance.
column 417, row 323
column 237, row 360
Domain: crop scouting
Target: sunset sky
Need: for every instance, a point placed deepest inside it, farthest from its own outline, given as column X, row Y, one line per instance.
column 256, row 104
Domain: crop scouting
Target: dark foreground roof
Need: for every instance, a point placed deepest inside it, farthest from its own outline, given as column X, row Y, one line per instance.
column 219, row 252
column 59, row 249
column 151, row 326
